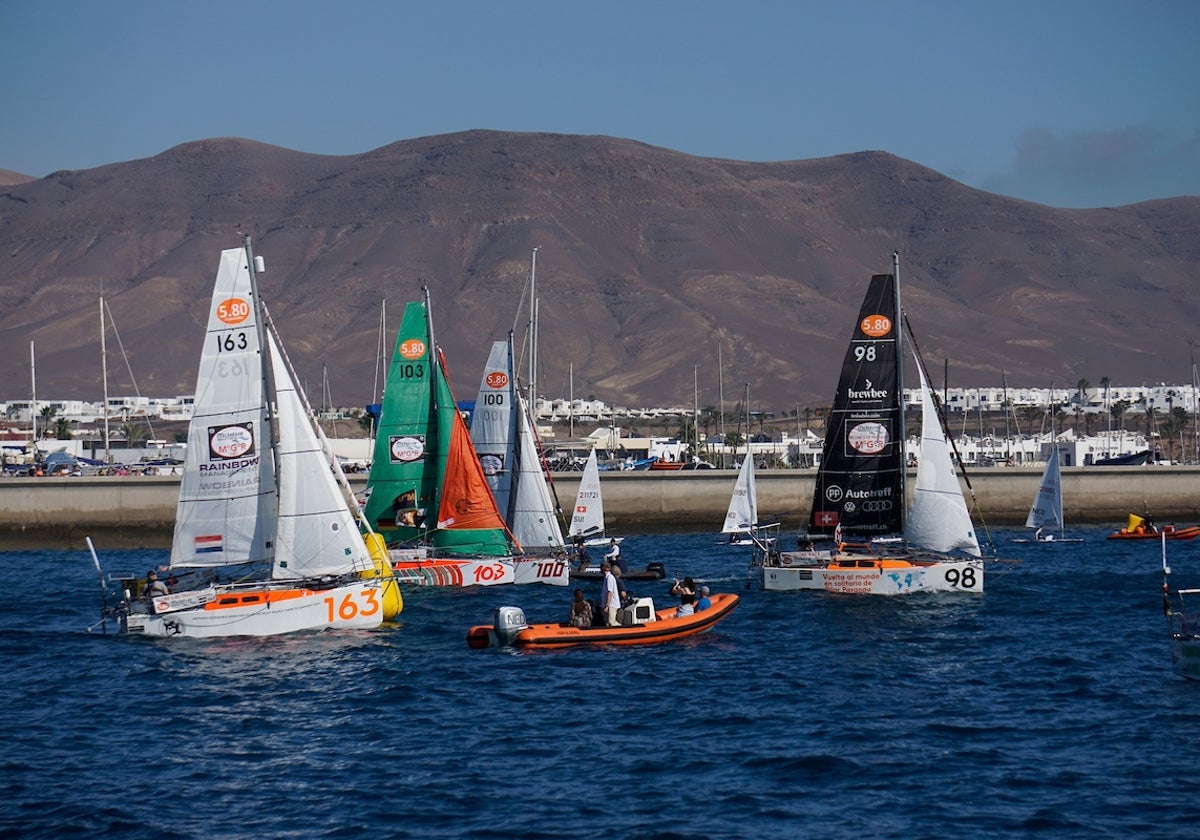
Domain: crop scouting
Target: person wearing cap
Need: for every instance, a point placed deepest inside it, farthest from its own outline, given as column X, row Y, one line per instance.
column 614, row 556
column 154, row 587
column 610, row 597
column 702, row 600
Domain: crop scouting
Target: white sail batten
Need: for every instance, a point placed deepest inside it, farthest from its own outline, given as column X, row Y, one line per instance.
column 317, row 534
column 938, row 519
column 227, row 496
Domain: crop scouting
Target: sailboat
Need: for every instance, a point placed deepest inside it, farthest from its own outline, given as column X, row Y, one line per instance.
column 1046, row 512
column 504, row 439
column 742, row 516
column 587, row 521
column 265, row 539
column 427, row 492
column 859, row 499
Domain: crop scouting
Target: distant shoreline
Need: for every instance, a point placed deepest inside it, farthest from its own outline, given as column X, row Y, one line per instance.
column 139, row 511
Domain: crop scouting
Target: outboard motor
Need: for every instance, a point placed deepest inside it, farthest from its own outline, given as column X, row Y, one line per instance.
column 507, row 622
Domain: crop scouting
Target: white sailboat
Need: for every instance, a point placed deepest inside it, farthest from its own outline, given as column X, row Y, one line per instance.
column 1046, row 512
column 587, row 521
column 265, row 539
column 742, row 516
column 880, row 548
column 503, row 436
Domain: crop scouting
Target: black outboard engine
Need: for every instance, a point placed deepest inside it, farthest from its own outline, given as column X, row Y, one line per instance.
column 507, row 622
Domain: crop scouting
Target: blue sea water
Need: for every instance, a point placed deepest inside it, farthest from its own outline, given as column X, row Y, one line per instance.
column 1045, row 706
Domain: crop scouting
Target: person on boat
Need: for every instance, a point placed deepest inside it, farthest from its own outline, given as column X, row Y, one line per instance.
column 702, row 601
column 685, row 587
column 581, row 552
column 614, row 556
column 687, row 605
column 610, row 598
column 154, row 587
column 581, row 612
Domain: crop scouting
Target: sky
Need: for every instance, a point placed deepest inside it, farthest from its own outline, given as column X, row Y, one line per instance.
column 1071, row 103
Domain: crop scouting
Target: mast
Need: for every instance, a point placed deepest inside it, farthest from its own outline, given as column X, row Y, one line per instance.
column 696, row 409
column 721, row 399
column 434, row 359
column 571, row 404
column 533, row 331
column 254, row 265
column 104, row 378
column 900, row 392
column 33, row 395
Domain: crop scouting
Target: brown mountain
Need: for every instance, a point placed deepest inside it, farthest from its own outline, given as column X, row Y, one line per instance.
column 649, row 259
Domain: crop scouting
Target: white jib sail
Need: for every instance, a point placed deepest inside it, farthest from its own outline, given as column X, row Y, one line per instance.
column 1046, row 511
column 317, row 533
column 588, row 518
column 938, row 519
column 743, row 504
column 226, row 510
column 492, row 426
column 533, row 521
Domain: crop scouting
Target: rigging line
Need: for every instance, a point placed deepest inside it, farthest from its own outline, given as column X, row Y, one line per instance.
column 962, row 467
column 326, row 446
column 125, row 356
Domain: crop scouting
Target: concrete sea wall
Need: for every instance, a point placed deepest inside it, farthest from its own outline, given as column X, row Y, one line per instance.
column 139, row 512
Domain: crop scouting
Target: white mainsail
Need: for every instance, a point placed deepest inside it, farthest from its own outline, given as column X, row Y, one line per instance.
column 492, row 423
column 227, row 494
column 317, row 534
column 533, row 520
column 938, row 518
column 588, row 518
column 743, row 504
column 1047, row 511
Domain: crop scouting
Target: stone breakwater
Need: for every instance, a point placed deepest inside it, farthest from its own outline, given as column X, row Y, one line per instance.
column 139, row 511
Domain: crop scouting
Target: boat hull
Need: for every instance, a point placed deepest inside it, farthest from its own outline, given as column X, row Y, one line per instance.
column 881, row 577
column 262, row 611
column 1171, row 533
column 652, row 571
column 412, row 568
column 665, row 628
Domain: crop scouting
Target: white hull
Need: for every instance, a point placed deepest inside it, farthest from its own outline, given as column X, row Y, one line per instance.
column 939, row 576
column 414, row 568
column 265, row 611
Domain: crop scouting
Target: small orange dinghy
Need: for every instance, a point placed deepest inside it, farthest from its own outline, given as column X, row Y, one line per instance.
column 640, row 625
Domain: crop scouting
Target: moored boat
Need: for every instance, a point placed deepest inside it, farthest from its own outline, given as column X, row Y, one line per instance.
column 641, row 624
column 1183, row 623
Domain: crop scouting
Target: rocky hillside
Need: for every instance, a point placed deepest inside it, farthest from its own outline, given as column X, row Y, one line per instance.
column 649, row 260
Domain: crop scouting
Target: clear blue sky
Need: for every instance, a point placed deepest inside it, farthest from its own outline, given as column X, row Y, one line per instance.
column 1074, row 103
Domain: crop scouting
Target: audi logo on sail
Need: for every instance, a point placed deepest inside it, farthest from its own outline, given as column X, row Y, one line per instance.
column 876, row 506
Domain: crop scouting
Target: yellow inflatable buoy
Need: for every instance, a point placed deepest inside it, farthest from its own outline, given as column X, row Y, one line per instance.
column 393, row 601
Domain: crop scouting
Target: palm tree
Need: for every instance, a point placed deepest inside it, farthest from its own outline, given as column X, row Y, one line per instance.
column 62, row 429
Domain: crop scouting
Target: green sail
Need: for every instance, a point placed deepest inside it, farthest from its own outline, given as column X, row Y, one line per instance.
column 421, row 490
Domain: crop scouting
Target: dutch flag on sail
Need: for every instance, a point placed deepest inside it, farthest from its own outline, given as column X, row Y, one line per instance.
column 209, row 544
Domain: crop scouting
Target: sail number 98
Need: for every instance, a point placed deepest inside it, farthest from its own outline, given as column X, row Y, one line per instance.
column 866, row 353
column 964, row 579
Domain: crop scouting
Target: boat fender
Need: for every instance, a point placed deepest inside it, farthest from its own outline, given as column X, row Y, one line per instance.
column 507, row 623
column 393, row 601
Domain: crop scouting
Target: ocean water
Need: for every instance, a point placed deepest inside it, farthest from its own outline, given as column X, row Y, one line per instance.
column 1045, row 706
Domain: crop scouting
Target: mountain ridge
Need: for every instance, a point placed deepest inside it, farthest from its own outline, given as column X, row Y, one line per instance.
column 648, row 258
